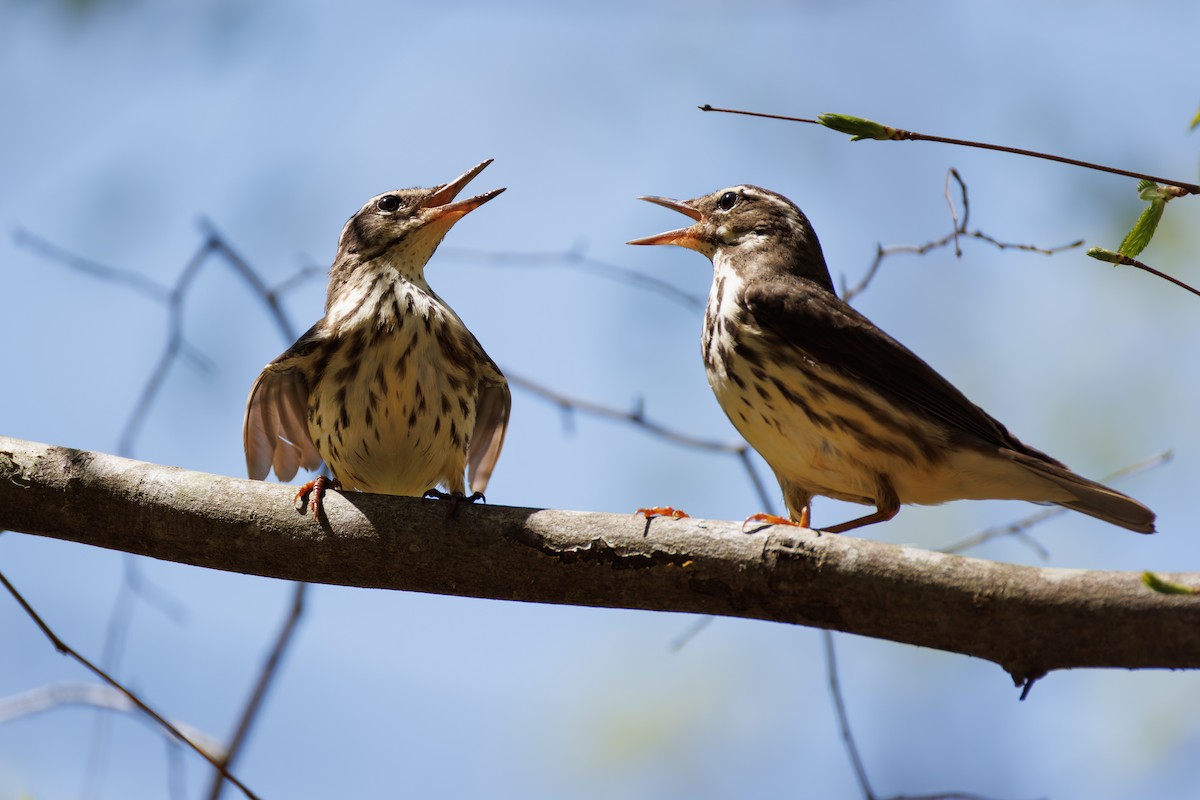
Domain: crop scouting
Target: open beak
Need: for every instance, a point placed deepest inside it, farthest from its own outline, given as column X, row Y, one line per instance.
column 440, row 202
column 687, row 237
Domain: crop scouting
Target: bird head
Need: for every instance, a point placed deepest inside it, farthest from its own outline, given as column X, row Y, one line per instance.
column 754, row 230
column 405, row 226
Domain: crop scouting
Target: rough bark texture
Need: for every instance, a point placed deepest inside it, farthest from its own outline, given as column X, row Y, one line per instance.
column 1028, row 620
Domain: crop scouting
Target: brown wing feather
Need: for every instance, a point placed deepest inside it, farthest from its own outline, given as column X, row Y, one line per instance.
column 492, row 410
column 814, row 321
column 275, row 431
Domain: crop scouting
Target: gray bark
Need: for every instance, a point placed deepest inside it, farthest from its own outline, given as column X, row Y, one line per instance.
column 1028, row 620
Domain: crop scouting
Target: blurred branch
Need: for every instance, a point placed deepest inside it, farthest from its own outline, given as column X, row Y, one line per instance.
column 839, row 708
column 867, row 129
column 848, row 741
column 960, row 231
column 265, row 677
column 174, row 298
column 52, row 252
column 577, row 259
column 1028, row 620
column 93, row 695
column 63, row 648
column 637, row 418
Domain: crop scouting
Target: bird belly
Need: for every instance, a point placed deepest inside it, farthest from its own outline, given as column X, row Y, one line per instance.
column 829, row 437
column 395, row 417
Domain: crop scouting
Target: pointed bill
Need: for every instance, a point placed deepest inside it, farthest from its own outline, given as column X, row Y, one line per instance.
column 440, row 202
column 684, row 237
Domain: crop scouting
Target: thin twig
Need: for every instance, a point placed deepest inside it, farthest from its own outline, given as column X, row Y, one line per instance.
column 297, row 279
column 270, row 298
column 65, row 649
column 174, row 299
column 91, row 695
column 839, row 708
column 174, row 345
column 690, row 632
column 1118, row 258
column 219, row 244
column 134, row 586
column 577, row 259
column 250, row 712
column 52, row 252
column 958, row 226
column 900, row 134
column 960, row 230
column 636, row 417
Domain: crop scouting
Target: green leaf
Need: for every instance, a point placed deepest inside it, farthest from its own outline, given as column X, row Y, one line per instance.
column 1143, row 230
column 1151, row 191
column 1166, row 587
column 1104, row 255
column 857, row 127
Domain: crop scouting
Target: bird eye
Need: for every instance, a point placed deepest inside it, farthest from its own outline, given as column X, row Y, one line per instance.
column 727, row 201
column 389, row 203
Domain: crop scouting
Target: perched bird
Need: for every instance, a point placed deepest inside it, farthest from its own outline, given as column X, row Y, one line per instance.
column 834, row 405
column 389, row 388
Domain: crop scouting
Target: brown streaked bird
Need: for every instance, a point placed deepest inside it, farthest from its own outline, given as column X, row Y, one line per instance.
column 389, row 388
column 834, row 405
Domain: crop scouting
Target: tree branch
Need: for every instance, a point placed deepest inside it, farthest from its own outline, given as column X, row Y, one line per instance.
column 1026, row 619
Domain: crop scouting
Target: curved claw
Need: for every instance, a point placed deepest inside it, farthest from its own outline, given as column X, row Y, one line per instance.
column 775, row 519
column 771, row 519
column 454, row 499
column 434, row 494
column 317, row 487
column 662, row 511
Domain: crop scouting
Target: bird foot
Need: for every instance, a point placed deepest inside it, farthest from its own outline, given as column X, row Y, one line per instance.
column 769, row 519
column 454, row 499
column 662, row 511
column 317, row 487
column 775, row 519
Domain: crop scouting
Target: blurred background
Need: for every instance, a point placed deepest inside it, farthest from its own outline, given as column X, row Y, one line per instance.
column 128, row 122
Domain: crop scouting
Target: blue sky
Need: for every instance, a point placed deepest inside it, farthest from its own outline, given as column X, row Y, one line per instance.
column 127, row 123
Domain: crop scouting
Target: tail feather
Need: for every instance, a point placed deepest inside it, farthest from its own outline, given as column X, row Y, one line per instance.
column 1089, row 497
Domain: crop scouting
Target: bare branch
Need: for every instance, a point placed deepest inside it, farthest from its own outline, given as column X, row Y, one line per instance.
column 270, row 667
column 63, row 648
column 217, row 243
column 635, row 417
column 1026, row 619
column 959, row 231
column 578, row 259
column 174, row 299
column 1117, row 258
column 638, row 419
column 839, row 708
column 52, row 252
column 93, row 695
column 899, row 134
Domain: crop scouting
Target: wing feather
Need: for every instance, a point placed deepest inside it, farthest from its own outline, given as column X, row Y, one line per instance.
column 492, row 409
column 275, row 431
column 806, row 318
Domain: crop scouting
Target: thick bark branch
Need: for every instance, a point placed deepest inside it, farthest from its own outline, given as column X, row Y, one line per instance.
column 1026, row 619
